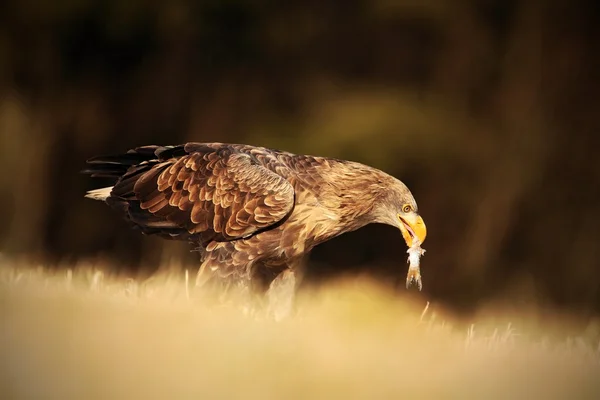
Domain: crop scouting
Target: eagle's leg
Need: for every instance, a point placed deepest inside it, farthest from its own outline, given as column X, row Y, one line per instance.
column 222, row 280
column 281, row 294
column 223, row 288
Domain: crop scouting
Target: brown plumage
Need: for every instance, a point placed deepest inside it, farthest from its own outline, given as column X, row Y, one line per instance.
column 253, row 211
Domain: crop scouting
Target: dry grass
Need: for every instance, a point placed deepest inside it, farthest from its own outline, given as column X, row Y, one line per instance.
column 76, row 335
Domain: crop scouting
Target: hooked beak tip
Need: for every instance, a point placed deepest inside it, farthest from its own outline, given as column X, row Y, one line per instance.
column 414, row 231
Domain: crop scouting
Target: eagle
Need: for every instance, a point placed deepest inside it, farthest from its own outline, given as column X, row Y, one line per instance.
column 253, row 212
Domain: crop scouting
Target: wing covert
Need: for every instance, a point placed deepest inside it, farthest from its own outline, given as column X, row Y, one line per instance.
column 219, row 193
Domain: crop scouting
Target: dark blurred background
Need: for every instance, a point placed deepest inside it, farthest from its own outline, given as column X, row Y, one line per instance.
column 487, row 109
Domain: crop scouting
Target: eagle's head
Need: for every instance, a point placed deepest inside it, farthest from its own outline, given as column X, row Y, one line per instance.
column 397, row 207
column 411, row 224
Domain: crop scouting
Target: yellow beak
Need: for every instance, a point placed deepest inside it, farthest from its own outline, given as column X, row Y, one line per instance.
column 413, row 229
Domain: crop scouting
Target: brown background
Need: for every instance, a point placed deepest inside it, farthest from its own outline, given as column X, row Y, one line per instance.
column 487, row 109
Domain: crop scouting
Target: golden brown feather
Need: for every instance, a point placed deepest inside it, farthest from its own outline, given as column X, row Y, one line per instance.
column 252, row 210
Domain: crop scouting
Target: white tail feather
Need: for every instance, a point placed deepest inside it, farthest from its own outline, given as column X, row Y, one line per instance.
column 99, row 194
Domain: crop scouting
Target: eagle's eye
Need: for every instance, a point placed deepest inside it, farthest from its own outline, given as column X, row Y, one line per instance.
column 406, row 208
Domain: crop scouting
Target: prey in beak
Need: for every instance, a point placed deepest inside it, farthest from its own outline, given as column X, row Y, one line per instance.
column 414, row 232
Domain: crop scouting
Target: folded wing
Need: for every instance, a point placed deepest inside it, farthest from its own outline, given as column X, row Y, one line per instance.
column 213, row 191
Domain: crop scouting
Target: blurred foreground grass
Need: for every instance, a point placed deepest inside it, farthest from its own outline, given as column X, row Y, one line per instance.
column 85, row 335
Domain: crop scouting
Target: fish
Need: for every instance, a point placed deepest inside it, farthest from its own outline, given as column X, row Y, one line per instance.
column 415, row 252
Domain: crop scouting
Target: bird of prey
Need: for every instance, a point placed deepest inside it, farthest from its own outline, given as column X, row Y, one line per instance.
column 254, row 212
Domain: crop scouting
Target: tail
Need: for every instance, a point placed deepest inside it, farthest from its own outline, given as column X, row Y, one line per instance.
column 123, row 171
column 99, row 194
column 114, row 167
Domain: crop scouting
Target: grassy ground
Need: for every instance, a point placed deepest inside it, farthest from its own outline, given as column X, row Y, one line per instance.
column 84, row 335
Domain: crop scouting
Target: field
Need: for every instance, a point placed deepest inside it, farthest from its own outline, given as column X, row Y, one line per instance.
column 89, row 335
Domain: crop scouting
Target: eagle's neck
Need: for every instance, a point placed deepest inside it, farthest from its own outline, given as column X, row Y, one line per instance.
column 354, row 195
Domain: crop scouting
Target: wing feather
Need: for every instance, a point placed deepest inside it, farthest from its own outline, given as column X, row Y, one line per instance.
column 214, row 190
